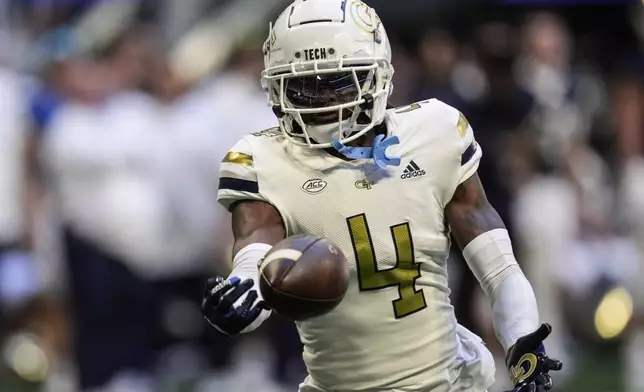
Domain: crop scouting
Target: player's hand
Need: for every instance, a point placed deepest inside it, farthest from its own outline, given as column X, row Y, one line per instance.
column 232, row 306
column 528, row 363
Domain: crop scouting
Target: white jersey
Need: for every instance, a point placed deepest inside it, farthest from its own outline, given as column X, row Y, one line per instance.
column 395, row 327
column 12, row 142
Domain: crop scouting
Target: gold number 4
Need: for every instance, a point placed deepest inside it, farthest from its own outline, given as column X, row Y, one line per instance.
column 403, row 274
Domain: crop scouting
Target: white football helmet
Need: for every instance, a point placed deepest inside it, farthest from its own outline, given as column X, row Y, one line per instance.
column 327, row 71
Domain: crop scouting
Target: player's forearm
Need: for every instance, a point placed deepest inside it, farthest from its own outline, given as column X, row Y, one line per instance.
column 257, row 226
column 514, row 307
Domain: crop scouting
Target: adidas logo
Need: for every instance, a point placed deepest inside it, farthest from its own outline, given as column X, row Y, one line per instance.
column 412, row 171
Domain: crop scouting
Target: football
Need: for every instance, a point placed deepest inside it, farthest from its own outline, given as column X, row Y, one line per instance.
column 303, row 277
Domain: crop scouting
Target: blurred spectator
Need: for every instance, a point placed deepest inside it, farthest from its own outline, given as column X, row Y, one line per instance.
column 546, row 206
column 565, row 200
column 23, row 311
column 407, row 74
column 16, row 270
column 135, row 218
column 135, row 177
column 439, row 56
column 100, row 289
column 628, row 109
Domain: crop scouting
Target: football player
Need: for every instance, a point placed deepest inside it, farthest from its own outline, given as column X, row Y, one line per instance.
column 387, row 186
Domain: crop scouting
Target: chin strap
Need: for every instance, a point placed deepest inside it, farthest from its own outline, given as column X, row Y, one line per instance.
column 377, row 151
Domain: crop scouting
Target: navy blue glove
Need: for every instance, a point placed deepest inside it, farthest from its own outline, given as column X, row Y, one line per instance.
column 528, row 363
column 221, row 311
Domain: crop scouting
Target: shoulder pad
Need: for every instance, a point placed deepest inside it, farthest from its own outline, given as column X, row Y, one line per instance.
column 434, row 110
column 270, row 132
column 409, row 108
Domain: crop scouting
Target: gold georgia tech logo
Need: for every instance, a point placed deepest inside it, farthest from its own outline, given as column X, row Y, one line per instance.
column 362, row 15
column 364, row 184
column 518, row 373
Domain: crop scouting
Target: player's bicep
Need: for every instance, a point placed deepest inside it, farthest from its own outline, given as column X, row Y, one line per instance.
column 256, row 222
column 469, row 213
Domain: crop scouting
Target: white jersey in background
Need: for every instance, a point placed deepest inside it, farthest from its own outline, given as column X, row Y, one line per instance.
column 13, row 133
column 135, row 177
column 395, row 329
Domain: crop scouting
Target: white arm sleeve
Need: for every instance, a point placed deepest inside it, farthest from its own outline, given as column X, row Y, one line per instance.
column 246, row 266
column 514, row 305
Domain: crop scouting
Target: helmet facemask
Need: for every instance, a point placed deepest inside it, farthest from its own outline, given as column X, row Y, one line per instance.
column 321, row 101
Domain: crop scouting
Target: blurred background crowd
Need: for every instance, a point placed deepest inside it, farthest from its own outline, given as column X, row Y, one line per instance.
column 114, row 116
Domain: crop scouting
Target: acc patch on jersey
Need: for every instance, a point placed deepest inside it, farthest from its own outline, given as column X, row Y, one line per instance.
column 314, row 186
